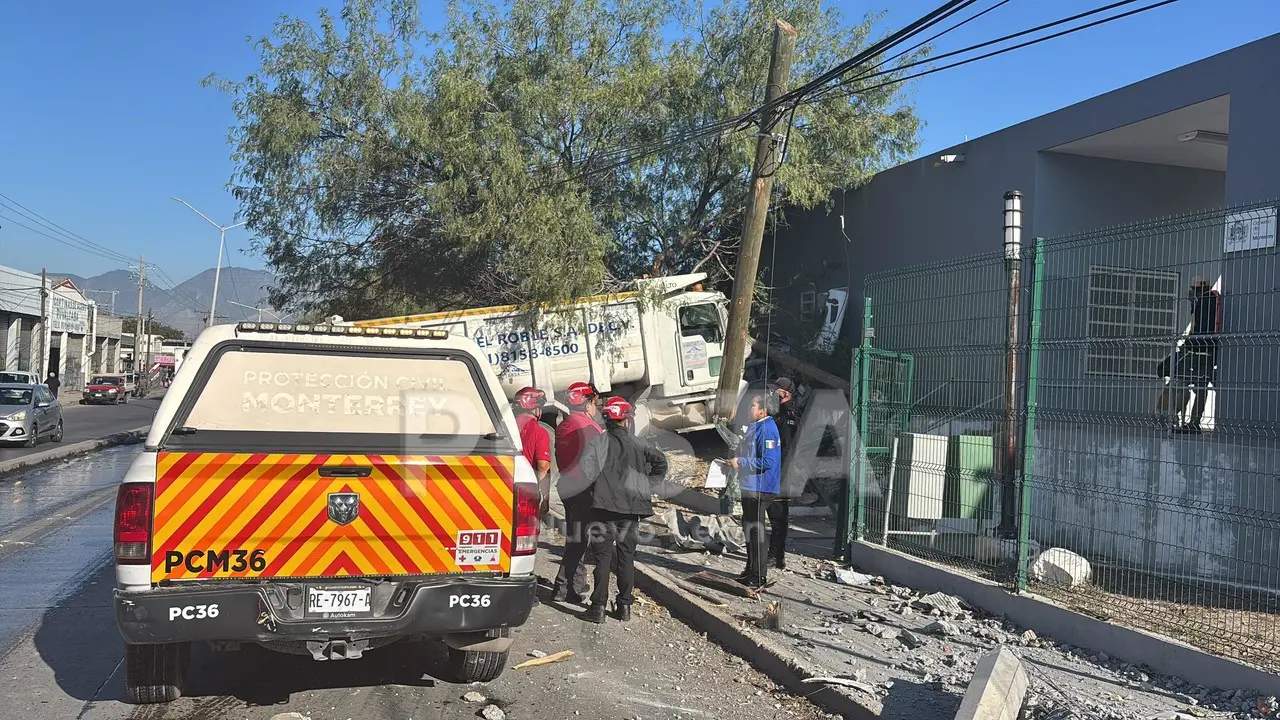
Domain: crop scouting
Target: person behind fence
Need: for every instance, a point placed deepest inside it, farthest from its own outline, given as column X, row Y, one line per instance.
column 759, row 466
column 572, row 436
column 787, row 418
column 534, row 438
column 623, row 469
column 1198, row 364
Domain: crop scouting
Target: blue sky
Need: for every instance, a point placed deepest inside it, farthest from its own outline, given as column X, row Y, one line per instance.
column 102, row 118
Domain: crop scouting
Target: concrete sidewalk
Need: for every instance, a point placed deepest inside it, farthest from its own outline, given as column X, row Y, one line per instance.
column 898, row 654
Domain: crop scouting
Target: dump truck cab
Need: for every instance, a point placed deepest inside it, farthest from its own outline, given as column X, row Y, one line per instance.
column 324, row 491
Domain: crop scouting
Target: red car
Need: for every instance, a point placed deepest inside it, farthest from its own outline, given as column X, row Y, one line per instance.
column 106, row 389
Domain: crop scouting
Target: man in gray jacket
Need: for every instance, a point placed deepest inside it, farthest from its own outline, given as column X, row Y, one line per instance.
column 621, row 469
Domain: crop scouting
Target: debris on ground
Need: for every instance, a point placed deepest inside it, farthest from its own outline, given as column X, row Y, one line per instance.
column 493, row 712
column 843, row 682
column 537, row 654
column 474, row 697
column 545, row 660
column 847, row 576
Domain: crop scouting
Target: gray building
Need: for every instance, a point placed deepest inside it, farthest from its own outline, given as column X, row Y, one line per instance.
column 1113, row 159
column 1196, row 146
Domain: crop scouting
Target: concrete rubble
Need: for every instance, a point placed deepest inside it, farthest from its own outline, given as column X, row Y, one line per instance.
column 917, row 652
column 1061, row 567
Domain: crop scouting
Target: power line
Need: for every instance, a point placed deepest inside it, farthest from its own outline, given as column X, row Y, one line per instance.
column 874, row 72
column 34, row 216
column 626, row 155
column 1001, row 51
column 79, row 242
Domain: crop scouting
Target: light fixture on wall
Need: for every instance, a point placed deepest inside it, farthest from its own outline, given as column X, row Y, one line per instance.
column 950, row 158
column 1207, row 137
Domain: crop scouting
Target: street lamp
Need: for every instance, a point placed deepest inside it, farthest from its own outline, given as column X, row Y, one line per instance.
column 260, row 311
column 217, row 274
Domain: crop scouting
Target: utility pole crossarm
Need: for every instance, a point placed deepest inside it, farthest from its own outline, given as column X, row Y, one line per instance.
column 762, row 176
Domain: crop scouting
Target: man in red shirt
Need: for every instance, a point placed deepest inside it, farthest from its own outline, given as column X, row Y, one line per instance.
column 534, row 438
column 572, row 436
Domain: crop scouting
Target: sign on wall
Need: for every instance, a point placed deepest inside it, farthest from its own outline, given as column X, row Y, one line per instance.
column 1250, row 230
column 67, row 315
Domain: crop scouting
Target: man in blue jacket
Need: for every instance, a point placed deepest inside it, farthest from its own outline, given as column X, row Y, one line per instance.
column 759, row 465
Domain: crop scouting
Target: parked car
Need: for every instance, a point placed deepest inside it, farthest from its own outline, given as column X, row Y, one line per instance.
column 29, row 412
column 19, row 377
column 106, row 390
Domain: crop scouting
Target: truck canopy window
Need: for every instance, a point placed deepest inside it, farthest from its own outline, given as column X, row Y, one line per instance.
column 341, row 392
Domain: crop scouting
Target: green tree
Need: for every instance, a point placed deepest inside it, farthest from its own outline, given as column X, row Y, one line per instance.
column 156, row 328
column 388, row 169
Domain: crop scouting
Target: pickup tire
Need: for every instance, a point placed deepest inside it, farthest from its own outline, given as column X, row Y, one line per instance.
column 155, row 673
column 472, row 667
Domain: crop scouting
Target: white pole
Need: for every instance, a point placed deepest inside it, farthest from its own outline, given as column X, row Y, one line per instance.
column 217, row 275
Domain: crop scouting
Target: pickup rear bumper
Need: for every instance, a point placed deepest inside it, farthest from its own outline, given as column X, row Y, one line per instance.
column 276, row 611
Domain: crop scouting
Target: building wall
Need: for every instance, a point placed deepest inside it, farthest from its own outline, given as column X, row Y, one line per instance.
column 926, row 211
column 1077, row 194
column 1109, row 483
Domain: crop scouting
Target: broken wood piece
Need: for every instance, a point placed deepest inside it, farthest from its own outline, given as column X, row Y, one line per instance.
column 721, row 583
column 843, row 682
column 555, row 657
column 703, row 594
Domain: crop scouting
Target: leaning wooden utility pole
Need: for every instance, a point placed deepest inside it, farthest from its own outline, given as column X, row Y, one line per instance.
column 768, row 154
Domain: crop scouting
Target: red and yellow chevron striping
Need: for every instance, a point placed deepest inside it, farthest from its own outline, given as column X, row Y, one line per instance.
column 241, row 515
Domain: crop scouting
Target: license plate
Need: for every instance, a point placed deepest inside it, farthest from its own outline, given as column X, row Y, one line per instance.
column 338, row 600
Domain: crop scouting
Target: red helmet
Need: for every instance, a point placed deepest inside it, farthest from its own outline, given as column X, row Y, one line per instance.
column 618, row 409
column 531, row 398
column 580, row 393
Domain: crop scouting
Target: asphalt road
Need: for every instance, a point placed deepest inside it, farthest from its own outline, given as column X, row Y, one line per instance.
column 60, row 654
column 90, row 422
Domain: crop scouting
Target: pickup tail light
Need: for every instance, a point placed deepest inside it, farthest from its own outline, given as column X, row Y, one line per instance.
column 528, row 502
column 133, row 523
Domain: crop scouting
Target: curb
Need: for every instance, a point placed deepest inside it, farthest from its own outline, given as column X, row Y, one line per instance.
column 127, row 437
column 761, row 652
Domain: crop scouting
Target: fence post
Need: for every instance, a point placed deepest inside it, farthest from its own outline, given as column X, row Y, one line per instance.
column 1008, row 464
column 1029, row 432
column 857, row 445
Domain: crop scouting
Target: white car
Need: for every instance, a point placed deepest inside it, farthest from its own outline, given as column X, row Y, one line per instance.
column 18, row 377
column 325, row 490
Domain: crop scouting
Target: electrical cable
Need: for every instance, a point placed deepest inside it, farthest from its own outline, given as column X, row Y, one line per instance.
column 984, row 56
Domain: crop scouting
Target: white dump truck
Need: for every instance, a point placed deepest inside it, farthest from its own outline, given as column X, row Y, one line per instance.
column 660, row 346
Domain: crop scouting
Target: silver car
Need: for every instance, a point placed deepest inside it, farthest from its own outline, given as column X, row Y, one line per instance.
column 29, row 413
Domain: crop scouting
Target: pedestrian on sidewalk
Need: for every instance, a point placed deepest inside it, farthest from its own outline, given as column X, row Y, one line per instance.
column 788, row 420
column 53, row 383
column 574, row 488
column 759, row 466
column 534, row 440
column 623, row 469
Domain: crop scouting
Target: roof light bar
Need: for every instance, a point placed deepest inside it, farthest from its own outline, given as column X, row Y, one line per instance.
column 303, row 328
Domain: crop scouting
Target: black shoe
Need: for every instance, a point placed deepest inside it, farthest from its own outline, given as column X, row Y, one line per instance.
column 752, row 582
column 557, row 594
column 780, row 563
column 574, row 598
column 594, row 614
column 622, row 612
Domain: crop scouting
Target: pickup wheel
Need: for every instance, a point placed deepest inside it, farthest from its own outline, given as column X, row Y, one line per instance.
column 472, row 667
column 155, row 673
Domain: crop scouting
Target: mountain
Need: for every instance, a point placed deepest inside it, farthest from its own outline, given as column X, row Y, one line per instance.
column 187, row 305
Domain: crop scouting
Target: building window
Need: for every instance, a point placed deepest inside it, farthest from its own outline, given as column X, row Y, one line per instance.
column 808, row 304
column 1133, row 315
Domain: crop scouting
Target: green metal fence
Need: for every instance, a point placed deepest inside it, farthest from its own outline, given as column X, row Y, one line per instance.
column 1143, row 480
